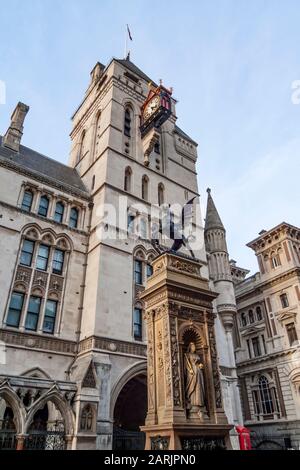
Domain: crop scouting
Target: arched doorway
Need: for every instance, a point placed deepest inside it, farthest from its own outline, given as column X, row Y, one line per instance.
column 7, row 426
column 47, row 429
column 129, row 414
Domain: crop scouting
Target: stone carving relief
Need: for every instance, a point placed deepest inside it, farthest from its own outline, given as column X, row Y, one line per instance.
column 214, row 360
column 175, row 362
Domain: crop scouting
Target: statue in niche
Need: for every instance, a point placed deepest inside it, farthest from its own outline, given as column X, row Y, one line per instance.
column 194, row 380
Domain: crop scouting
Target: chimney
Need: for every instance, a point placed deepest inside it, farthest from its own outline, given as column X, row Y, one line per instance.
column 13, row 135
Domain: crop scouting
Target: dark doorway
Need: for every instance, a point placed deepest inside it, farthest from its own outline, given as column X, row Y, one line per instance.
column 129, row 414
column 7, row 427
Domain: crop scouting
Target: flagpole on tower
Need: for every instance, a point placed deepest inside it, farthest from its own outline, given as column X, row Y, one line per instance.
column 126, row 36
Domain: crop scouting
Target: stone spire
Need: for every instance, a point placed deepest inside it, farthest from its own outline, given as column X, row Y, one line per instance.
column 13, row 135
column 215, row 242
column 213, row 220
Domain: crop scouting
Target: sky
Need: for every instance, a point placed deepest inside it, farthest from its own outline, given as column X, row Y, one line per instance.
column 232, row 65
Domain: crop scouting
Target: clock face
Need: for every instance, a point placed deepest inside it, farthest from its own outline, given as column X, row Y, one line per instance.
column 151, row 107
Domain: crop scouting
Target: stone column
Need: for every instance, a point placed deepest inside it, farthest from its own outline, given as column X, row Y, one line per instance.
column 104, row 422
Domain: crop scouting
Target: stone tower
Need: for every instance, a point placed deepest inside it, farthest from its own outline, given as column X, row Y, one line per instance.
column 225, row 304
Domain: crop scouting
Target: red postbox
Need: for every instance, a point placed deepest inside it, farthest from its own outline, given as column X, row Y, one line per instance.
column 244, row 437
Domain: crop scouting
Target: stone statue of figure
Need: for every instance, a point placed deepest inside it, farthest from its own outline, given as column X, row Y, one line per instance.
column 194, row 379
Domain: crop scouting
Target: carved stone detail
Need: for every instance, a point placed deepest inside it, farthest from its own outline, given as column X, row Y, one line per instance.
column 215, row 368
column 175, row 362
column 185, row 266
column 23, row 274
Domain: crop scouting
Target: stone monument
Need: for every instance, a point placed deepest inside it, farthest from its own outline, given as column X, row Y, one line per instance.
column 185, row 409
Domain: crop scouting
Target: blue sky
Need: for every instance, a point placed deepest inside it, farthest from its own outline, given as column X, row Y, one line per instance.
column 231, row 64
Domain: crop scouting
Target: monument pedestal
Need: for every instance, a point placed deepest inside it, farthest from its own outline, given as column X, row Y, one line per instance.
column 185, row 409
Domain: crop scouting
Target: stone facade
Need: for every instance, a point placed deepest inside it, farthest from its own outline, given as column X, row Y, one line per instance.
column 73, row 339
column 267, row 336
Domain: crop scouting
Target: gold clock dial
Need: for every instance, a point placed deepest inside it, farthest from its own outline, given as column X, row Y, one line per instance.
column 151, row 107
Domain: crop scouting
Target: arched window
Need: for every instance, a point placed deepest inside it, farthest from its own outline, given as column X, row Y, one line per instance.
column 258, row 313
column 251, row 316
column 86, row 421
column 127, row 121
column 127, row 179
column 73, row 222
column 161, row 194
column 43, row 207
column 145, row 181
column 97, row 135
column 266, row 398
column 275, row 260
column 59, row 212
column 82, row 146
column 157, row 147
column 27, row 201
column 243, row 319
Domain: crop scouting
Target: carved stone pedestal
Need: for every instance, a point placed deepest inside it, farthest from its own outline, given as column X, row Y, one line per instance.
column 185, row 407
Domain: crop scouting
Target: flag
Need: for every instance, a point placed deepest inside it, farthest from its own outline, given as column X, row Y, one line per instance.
column 129, row 33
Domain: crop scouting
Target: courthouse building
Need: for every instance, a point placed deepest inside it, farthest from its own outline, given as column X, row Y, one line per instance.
column 73, row 351
column 267, row 333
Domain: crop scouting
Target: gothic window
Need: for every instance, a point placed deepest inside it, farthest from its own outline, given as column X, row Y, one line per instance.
column 93, row 181
column 33, row 312
column 15, row 309
column 42, row 257
column 291, row 332
column 161, row 195
column 258, row 313
column 27, row 201
column 82, row 147
column 73, row 221
column 27, row 253
column 58, row 261
column 157, row 147
column 138, row 271
column 59, row 212
column 251, row 316
column 86, row 421
column 127, row 179
column 145, row 181
column 97, row 135
column 256, row 346
column 50, row 315
column 243, row 319
column 137, row 324
column 43, row 207
column 284, row 300
column 127, row 121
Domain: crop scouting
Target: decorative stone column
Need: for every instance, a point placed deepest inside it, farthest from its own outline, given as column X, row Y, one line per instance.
column 179, row 313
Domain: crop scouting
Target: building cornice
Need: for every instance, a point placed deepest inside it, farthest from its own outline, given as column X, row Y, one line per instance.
column 261, row 286
column 262, row 360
